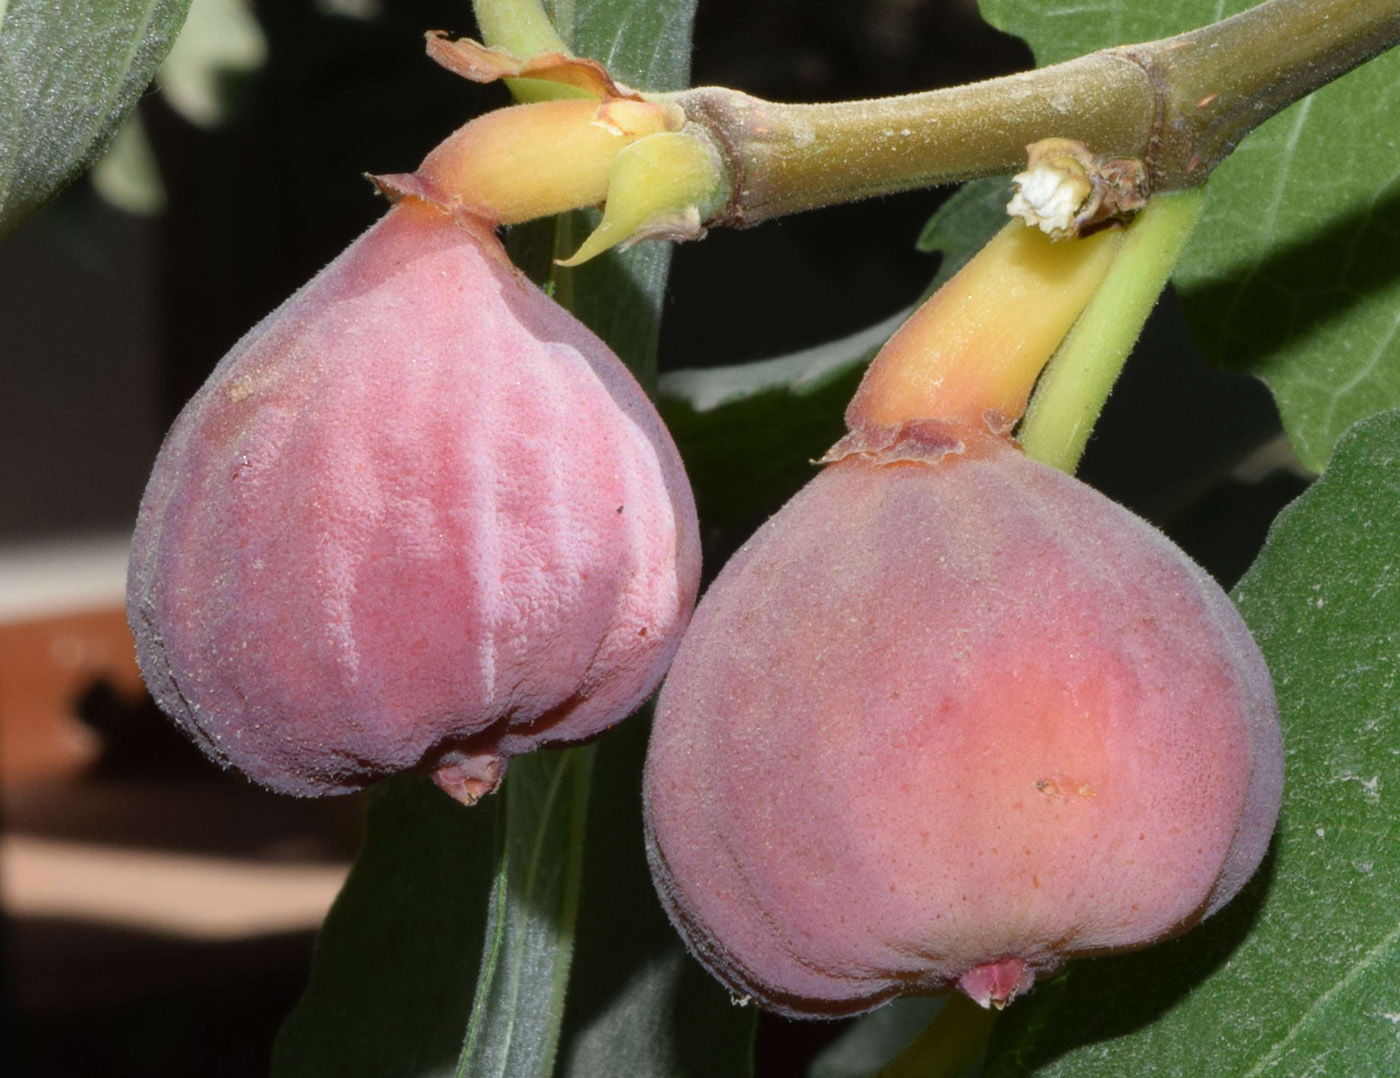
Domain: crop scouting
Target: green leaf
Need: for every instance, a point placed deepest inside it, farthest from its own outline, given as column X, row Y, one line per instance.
column 618, row 295
column 646, row 45
column 1059, row 30
column 639, row 1006
column 1297, row 281
column 397, row 959
column 1300, row 975
column 519, row 1001
column 406, row 980
column 1292, row 274
column 127, row 175
column 874, row 1039
column 70, row 71
column 750, row 432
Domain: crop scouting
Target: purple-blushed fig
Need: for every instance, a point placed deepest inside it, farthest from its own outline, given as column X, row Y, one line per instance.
column 948, row 719
column 420, row 518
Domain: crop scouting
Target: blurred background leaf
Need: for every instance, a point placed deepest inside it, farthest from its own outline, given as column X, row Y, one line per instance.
column 220, row 44
column 1291, row 275
column 1300, row 974
column 874, row 1039
column 127, row 176
column 70, row 71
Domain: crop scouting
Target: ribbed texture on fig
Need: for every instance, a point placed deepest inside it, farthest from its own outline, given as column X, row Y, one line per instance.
column 418, row 518
column 953, row 722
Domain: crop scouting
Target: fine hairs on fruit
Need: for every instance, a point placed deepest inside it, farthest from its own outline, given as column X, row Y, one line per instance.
column 420, row 518
column 951, row 717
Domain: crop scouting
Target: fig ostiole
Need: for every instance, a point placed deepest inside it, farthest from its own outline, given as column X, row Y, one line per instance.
column 950, row 723
column 420, row 518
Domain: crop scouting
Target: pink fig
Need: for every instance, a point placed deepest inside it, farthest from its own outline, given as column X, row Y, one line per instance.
column 950, row 718
column 420, row 518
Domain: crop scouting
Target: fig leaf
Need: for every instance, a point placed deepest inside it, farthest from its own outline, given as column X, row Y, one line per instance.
column 70, row 71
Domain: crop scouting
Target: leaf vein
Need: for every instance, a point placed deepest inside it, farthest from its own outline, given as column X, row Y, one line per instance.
column 1363, row 374
column 1276, row 1053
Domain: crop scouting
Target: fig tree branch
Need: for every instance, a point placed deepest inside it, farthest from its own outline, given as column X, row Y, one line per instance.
column 1180, row 105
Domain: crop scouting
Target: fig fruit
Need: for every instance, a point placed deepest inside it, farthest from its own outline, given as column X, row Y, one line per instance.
column 948, row 719
column 420, row 518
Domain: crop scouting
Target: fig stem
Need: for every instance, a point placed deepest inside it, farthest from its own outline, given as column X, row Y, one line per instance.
column 1081, row 374
column 1179, row 104
column 529, row 161
column 971, row 353
column 520, row 26
column 949, row 1044
column 523, row 28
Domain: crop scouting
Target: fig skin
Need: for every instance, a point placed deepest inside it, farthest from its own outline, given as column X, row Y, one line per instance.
column 419, row 518
column 951, row 722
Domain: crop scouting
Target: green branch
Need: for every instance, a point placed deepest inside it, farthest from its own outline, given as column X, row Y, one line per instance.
column 1180, row 105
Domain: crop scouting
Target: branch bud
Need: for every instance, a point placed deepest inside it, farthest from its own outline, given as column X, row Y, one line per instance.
column 1066, row 190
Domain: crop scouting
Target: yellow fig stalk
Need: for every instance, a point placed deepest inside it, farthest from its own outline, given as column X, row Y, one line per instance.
column 971, row 354
column 528, row 161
